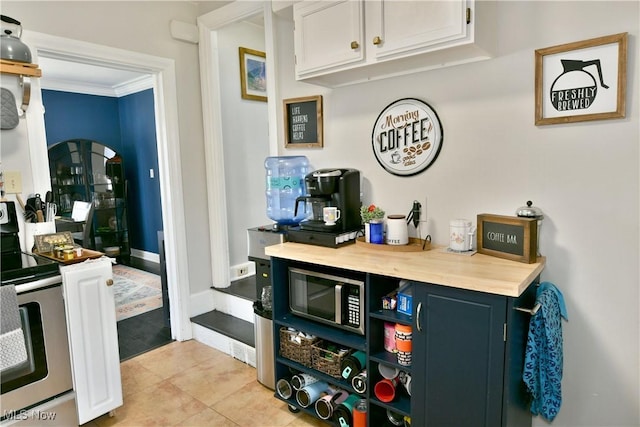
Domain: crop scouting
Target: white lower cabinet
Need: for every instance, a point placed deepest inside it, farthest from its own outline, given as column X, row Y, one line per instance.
column 93, row 337
column 349, row 41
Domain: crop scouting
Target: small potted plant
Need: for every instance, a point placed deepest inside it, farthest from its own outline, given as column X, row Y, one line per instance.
column 368, row 213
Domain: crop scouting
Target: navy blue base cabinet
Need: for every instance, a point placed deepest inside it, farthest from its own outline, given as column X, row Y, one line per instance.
column 467, row 351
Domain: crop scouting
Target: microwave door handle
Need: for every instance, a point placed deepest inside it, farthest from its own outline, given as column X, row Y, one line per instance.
column 338, row 298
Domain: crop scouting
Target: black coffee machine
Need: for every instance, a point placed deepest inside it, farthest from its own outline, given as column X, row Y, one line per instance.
column 338, row 188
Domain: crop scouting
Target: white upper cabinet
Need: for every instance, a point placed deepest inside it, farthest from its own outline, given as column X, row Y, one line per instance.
column 351, row 41
column 328, row 34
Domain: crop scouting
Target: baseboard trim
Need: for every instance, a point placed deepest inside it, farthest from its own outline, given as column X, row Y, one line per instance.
column 248, row 268
column 147, row 256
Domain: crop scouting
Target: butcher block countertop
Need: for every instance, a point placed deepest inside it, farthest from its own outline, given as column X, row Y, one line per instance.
column 478, row 272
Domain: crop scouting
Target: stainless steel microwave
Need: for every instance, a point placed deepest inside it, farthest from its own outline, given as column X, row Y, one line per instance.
column 333, row 300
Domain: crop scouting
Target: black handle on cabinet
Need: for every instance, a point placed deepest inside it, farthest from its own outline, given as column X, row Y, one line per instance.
column 418, row 312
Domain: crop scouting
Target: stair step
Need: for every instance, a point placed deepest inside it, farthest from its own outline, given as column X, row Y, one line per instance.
column 227, row 325
column 243, row 288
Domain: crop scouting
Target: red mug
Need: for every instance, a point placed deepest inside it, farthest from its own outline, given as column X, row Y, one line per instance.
column 385, row 389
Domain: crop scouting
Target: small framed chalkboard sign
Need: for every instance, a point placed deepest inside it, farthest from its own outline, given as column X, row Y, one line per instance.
column 509, row 237
column 303, row 122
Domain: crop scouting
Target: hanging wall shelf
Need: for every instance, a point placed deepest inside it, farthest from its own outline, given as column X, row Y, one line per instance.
column 20, row 68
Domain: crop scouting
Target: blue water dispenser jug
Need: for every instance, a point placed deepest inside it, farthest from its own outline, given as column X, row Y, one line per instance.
column 284, row 183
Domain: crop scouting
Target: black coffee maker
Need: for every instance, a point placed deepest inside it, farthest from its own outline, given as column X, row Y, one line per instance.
column 339, row 188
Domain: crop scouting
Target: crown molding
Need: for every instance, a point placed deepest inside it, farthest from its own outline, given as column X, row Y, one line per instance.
column 132, row 86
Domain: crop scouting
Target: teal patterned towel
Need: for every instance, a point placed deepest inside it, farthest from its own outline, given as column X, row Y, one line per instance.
column 543, row 358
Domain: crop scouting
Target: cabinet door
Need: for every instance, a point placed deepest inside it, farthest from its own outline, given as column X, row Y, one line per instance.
column 328, row 34
column 458, row 356
column 396, row 28
column 93, row 337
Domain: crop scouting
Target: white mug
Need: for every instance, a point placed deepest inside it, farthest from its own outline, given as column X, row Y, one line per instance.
column 397, row 231
column 460, row 235
column 330, row 214
column 387, row 371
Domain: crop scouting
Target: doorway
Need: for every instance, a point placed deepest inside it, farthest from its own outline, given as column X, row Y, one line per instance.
column 162, row 73
column 86, row 172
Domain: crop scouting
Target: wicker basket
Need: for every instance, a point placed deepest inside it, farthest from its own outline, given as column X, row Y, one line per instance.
column 327, row 361
column 298, row 350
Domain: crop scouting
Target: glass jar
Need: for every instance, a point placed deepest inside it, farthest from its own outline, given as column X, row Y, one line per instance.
column 266, row 298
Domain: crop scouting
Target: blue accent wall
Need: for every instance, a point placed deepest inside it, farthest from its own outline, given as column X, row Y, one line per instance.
column 127, row 125
column 138, row 126
column 78, row 116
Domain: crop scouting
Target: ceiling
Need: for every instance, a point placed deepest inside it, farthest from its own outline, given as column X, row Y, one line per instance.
column 77, row 77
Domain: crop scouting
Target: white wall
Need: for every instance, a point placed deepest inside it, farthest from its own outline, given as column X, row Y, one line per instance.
column 584, row 176
column 144, row 27
column 246, row 140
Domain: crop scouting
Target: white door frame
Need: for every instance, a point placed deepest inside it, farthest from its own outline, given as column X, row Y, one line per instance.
column 208, row 25
column 163, row 73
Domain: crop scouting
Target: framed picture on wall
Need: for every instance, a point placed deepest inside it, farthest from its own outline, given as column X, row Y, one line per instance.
column 581, row 81
column 253, row 74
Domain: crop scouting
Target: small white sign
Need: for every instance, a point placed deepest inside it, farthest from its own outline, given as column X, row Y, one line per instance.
column 407, row 137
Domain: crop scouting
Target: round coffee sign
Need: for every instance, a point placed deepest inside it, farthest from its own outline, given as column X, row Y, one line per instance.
column 407, row 137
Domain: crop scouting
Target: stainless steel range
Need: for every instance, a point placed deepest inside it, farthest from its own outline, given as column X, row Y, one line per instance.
column 37, row 390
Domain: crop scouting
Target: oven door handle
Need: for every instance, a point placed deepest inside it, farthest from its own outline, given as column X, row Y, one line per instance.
column 338, row 307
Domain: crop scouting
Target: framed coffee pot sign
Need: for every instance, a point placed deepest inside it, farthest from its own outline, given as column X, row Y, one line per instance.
column 581, row 81
column 407, row 137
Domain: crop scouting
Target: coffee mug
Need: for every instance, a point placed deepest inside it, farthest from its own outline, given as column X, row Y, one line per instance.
column 283, row 388
column 310, row 393
column 460, row 235
column 359, row 382
column 405, row 379
column 376, row 231
column 387, row 371
column 385, row 390
column 330, row 214
column 327, row 404
column 298, row 381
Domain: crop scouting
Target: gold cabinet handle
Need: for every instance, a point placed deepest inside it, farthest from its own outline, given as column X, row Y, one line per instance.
column 355, row 45
column 109, row 282
column 377, row 40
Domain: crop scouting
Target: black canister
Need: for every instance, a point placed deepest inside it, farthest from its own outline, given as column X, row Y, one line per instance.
column 342, row 415
column 352, row 365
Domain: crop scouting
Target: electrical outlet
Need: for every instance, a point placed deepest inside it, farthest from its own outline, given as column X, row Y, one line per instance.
column 12, row 182
column 242, row 271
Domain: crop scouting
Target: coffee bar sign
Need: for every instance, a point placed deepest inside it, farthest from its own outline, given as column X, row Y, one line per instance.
column 407, row 137
column 508, row 237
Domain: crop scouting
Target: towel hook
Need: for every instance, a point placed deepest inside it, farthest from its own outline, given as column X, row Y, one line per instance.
column 531, row 311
